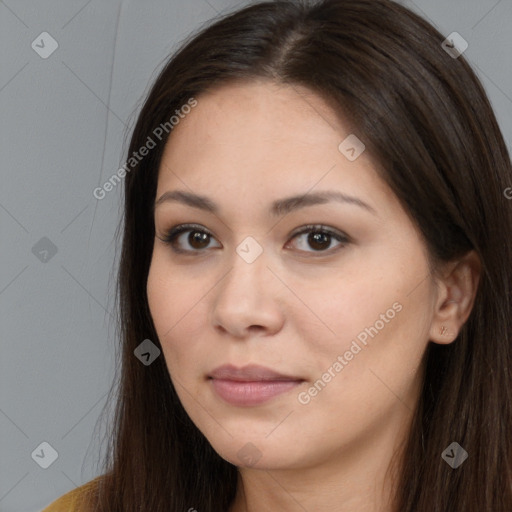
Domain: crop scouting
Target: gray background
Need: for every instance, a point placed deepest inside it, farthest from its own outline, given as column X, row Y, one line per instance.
column 63, row 122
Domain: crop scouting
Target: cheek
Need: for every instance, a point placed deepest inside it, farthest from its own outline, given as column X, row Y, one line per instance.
column 352, row 305
column 377, row 318
column 177, row 307
column 356, row 385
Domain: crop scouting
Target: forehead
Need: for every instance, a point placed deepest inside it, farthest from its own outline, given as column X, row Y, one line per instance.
column 262, row 139
column 243, row 113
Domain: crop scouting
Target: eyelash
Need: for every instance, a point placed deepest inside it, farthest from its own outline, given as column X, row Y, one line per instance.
column 173, row 233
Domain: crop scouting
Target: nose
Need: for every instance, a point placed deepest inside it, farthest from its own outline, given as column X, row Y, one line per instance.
column 247, row 300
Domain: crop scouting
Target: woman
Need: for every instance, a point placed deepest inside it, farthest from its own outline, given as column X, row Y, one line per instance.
column 315, row 283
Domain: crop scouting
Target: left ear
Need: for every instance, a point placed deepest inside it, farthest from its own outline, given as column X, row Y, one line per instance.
column 456, row 296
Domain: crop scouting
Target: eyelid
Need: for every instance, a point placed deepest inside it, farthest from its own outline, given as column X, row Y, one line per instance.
column 172, row 233
column 175, row 231
column 337, row 234
column 319, row 227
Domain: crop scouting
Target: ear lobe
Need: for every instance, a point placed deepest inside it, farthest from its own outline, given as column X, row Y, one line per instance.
column 456, row 296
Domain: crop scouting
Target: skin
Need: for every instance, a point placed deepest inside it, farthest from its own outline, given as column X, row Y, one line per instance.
column 296, row 309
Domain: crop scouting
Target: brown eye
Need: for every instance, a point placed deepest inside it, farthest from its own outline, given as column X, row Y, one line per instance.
column 320, row 238
column 319, row 241
column 198, row 238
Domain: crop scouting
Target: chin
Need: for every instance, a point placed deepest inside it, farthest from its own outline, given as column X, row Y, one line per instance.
column 259, row 453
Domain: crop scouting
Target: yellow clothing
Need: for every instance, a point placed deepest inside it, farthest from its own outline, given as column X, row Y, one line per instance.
column 72, row 501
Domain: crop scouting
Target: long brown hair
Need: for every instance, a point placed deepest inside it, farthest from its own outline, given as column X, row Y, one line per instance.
column 427, row 122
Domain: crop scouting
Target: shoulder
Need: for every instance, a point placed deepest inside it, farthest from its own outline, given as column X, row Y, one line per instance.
column 74, row 501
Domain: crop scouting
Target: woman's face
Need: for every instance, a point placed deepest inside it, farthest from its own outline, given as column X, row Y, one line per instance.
column 344, row 314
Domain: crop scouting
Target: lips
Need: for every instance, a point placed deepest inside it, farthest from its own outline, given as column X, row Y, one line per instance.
column 250, row 373
column 250, row 385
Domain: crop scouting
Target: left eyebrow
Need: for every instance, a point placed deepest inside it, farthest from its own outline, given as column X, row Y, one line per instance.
column 278, row 207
